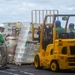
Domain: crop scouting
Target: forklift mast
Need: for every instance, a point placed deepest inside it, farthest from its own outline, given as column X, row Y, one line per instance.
column 37, row 18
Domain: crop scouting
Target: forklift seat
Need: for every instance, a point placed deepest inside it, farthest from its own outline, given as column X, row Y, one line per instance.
column 63, row 35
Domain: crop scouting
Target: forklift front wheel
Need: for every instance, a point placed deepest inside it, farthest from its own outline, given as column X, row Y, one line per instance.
column 37, row 62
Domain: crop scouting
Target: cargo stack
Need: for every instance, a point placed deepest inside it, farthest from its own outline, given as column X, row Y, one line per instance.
column 21, row 44
column 33, row 46
column 26, row 48
column 10, row 26
column 31, row 50
column 11, row 47
column 11, row 41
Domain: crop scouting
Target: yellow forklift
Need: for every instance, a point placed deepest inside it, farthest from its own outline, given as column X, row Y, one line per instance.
column 60, row 53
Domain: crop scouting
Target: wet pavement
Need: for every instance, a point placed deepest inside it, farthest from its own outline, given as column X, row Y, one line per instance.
column 30, row 70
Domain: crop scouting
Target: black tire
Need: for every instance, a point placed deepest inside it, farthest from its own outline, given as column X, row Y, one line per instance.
column 54, row 66
column 37, row 62
column 74, row 70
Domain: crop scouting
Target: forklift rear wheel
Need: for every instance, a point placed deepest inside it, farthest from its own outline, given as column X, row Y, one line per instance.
column 37, row 62
column 54, row 66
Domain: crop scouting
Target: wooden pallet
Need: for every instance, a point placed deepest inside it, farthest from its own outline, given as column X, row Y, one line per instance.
column 20, row 64
column 17, row 63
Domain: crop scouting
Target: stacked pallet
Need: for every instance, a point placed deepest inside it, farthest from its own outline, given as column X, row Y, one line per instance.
column 21, row 48
column 31, row 50
column 9, row 27
column 11, row 41
column 26, row 48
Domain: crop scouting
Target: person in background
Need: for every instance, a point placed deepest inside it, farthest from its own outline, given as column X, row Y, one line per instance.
column 3, row 61
column 48, row 30
column 1, row 35
column 72, row 30
column 59, row 29
column 47, row 39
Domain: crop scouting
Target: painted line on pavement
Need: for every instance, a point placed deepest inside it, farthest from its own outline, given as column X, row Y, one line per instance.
column 27, row 73
column 11, row 70
column 9, row 73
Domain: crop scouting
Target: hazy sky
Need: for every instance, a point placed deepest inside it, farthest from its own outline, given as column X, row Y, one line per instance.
column 20, row 10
